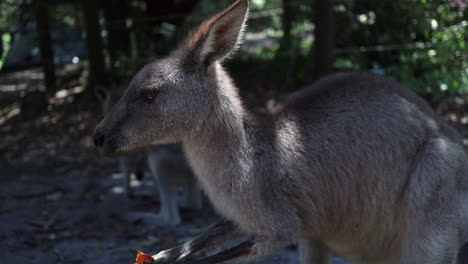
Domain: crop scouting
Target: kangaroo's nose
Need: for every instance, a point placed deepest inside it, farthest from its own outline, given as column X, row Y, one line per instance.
column 98, row 139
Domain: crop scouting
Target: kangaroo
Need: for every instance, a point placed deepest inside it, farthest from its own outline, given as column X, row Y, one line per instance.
column 354, row 164
column 132, row 163
column 166, row 163
column 169, row 166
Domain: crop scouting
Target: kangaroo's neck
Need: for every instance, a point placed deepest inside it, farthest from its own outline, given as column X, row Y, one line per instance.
column 237, row 152
column 220, row 152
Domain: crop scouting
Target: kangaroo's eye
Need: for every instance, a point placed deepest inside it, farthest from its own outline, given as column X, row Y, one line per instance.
column 149, row 96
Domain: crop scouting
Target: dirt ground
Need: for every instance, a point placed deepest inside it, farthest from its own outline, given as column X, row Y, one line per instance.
column 61, row 202
column 62, row 212
column 66, row 213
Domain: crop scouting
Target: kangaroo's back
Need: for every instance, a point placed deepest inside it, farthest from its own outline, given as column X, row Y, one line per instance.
column 368, row 91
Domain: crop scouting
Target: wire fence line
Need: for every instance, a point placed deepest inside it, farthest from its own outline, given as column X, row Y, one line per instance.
column 162, row 18
column 385, row 48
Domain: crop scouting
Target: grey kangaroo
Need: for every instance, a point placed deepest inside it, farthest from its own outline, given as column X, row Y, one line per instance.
column 355, row 164
column 167, row 164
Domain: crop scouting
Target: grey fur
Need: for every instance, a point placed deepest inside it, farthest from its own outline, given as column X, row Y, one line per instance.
column 356, row 162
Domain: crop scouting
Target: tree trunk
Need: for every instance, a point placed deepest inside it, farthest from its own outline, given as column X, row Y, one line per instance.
column 288, row 51
column 324, row 43
column 45, row 44
column 286, row 22
column 97, row 72
column 118, row 38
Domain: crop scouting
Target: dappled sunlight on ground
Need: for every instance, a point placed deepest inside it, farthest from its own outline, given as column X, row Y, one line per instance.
column 20, row 80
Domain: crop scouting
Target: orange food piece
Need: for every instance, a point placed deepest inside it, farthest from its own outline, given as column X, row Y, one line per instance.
column 143, row 258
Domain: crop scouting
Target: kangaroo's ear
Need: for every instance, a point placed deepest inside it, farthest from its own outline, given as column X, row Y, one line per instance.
column 219, row 36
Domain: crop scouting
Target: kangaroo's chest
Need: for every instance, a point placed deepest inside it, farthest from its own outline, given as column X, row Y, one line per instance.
column 220, row 182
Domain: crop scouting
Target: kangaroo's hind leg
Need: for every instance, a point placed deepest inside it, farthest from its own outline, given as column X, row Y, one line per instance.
column 313, row 252
column 463, row 255
column 193, row 197
column 125, row 164
column 168, row 190
column 434, row 198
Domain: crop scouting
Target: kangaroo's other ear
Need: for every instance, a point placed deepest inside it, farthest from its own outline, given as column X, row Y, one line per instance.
column 101, row 92
column 219, row 36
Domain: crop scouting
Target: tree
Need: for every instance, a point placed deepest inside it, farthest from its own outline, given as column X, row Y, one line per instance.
column 286, row 23
column 45, row 44
column 97, row 72
column 116, row 13
column 324, row 38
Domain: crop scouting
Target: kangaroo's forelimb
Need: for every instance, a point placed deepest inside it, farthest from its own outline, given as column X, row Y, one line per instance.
column 222, row 232
column 239, row 251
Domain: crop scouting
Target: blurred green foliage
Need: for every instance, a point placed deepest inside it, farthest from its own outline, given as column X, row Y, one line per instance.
column 13, row 13
column 421, row 43
column 65, row 13
column 427, row 38
column 5, row 40
column 8, row 13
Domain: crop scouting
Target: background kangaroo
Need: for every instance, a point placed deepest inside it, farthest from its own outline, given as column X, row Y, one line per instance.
column 132, row 163
column 167, row 164
column 355, row 163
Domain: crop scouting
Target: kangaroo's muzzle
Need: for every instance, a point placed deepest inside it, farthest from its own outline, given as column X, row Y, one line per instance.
column 105, row 141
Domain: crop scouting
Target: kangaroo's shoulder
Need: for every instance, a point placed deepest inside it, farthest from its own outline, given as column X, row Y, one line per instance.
column 354, row 87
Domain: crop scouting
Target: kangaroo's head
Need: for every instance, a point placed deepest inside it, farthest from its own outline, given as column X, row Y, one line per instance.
column 171, row 98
